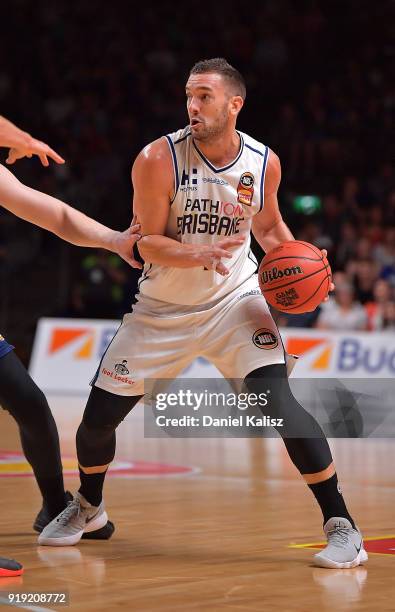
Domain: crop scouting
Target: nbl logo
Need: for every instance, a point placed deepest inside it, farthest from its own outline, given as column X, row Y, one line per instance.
column 264, row 339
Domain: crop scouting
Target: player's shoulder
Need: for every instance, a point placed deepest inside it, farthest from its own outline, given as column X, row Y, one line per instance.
column 254, row 145
column 180, row 136
column 154, row 155
column 161, row 149
column 270, row 159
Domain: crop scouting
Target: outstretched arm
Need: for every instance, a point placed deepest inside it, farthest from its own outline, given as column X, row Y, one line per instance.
column 63, row 220
column 21, row 144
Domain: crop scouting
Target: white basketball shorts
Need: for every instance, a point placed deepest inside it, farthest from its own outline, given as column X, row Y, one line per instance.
column 157, row 340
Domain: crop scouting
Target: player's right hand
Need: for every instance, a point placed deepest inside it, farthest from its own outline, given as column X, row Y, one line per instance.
column 212, row 254
column 34, row 147
column 124, row 243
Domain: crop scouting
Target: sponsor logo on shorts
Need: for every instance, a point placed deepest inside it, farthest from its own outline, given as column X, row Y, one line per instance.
column 268, row 276
column 121, row 368
column 245, row 188
column 265, row 339
column 115, row 376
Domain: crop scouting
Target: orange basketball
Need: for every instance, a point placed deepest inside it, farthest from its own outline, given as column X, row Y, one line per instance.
column 294, row 277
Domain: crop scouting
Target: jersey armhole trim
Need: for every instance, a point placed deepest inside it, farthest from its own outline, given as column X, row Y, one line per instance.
column 144, row 276
column 175, row 168
column 263, row 177
column 255, row 150
column 182, row 138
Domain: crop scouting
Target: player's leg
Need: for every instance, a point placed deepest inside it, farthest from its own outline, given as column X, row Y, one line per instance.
column 309, row 451
column 21, row 397
column 254, row 352
column 144, row 347
column 96, row 439
column 95, row 450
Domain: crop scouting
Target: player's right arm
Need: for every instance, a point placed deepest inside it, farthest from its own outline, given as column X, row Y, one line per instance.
column 153, row 184
column 63, row 220
column 21, row 144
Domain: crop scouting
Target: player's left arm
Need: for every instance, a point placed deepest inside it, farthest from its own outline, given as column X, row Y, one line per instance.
column 268, row 226
column 64, row 220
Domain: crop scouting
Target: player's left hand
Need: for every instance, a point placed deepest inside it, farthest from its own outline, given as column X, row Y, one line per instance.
column 124, row 243
column 331, row 286
column 34, row 147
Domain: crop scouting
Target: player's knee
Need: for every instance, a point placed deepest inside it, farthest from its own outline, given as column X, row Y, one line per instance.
column 273, row 381
column 105, row 411
column 32, row 412
column 90, row 432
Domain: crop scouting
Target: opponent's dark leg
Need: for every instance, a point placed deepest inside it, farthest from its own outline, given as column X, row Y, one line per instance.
column 21, row 397
column 303, row 437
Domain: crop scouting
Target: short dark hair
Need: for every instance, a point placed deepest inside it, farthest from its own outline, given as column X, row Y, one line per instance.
column 219, row 65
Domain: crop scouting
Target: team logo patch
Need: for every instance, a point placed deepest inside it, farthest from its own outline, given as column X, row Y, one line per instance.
column 265, row 339
column 245, row 188
column 121, row 368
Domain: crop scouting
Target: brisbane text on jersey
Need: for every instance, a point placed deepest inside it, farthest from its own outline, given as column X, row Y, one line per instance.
column 205, row 216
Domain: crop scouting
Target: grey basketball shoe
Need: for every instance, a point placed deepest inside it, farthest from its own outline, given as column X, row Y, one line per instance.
column 77, row 518
column 345, row 546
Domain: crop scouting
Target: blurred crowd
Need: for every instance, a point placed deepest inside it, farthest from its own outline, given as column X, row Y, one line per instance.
column 98, row 81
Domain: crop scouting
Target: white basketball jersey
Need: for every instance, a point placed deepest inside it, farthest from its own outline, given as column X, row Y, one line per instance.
column 209, row 204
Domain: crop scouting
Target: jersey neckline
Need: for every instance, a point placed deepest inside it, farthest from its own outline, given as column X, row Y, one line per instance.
column 224, row 168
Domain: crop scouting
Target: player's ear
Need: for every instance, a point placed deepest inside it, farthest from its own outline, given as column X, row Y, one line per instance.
column 235, row 104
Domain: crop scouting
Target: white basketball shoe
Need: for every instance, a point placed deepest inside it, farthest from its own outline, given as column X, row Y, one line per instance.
column 345, row 546
column 77, row 518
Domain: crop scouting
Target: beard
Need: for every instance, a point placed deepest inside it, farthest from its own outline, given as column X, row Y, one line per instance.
column 211, row 132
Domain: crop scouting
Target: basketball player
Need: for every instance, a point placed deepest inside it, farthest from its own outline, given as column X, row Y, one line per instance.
column 18, row 393
column 197, row 194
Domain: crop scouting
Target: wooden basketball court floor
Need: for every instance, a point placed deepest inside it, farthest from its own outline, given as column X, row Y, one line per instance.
column 228, row 534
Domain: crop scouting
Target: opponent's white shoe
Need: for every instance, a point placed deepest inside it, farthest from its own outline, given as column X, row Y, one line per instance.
column 345, row 546
column 77, row 518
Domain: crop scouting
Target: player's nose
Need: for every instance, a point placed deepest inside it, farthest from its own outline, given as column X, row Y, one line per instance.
column 193, row 107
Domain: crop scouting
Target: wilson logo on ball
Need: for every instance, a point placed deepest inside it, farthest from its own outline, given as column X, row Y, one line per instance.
column 264, row 339
column 268, row 276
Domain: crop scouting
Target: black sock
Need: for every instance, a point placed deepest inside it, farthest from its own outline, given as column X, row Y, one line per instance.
column 52, row 490
column 330, row 499
column 92, row 487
